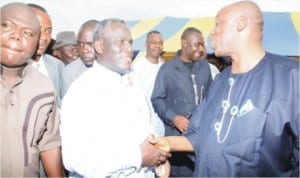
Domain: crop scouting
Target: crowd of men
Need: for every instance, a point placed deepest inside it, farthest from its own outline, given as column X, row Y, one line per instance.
column 96, row 112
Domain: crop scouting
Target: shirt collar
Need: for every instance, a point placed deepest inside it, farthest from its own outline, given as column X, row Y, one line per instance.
column 126, row 79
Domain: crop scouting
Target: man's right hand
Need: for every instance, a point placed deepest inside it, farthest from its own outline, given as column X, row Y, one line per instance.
column 151, row 155
column 181, row 123
column 160, row 142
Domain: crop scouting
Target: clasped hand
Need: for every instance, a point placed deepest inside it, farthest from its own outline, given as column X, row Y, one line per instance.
column 163, row 170
column 153, row 155
column 155, row 152
column 160, row 142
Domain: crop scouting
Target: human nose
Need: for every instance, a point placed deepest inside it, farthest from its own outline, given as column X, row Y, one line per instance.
column 127, row 46
column 43, row 35
column 212, row 33
column 86, row 48
column 201, row 47
column 16, row 34
column 158, row 44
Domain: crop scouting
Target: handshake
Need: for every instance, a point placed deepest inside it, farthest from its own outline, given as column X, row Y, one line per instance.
column 156, row 151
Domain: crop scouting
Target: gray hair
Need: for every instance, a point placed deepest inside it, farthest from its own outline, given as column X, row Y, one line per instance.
column 103, row 24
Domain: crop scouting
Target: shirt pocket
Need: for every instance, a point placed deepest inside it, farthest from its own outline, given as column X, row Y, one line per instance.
column 244, row 142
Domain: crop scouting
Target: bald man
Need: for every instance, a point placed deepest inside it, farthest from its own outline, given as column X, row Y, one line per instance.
column 248, row 124
column 29, row 121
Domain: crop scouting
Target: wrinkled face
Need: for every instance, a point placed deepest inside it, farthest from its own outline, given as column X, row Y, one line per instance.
column 86, row 48
column 46, row 30
column 193, row 46
column 222, row 35
column 67, row 53
column 118, row 51
column 154, row 45
column 19, row 35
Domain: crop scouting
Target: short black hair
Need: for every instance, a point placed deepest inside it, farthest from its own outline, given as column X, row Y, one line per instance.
column 188, row 31
column 153, row 32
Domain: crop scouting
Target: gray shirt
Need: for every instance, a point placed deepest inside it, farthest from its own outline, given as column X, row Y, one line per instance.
column 70, row 73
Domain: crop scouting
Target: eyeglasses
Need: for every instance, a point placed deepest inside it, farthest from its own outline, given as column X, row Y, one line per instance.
column 83, row 44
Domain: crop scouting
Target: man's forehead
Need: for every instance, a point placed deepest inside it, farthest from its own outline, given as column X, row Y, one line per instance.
column 19, row 13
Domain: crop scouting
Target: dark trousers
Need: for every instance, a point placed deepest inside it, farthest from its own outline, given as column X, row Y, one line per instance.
column 182, row 164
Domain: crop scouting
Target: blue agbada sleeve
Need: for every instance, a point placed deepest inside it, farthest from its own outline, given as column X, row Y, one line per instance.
column 283, row 118
column 159, row 98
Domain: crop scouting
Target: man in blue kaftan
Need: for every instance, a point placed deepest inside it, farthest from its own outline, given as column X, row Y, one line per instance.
column 248, row 124
column 258, row 134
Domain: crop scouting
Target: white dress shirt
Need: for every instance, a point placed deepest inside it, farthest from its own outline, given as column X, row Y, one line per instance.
column 104, row 120
column 146, row 72
column 213, row 70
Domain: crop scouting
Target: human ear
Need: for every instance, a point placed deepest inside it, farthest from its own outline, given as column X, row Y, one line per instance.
column 242, row 23
column 184, row 43
column 98, row 45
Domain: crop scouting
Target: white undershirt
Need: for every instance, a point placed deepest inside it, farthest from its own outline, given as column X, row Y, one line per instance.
column 40, row 66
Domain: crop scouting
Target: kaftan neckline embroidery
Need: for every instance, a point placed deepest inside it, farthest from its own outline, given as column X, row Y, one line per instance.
column 226, row 107
column 197, row 98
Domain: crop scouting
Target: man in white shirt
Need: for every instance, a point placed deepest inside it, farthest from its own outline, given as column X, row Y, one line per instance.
column 146, row 69
column 105, row 117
